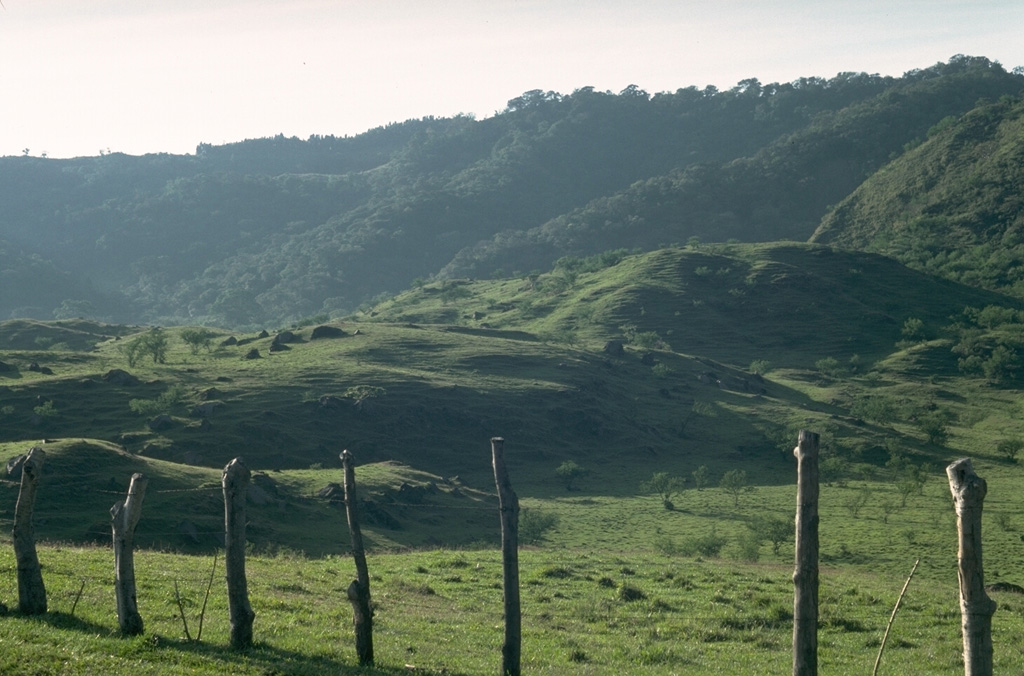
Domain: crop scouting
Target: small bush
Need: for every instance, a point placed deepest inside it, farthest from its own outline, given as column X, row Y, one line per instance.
column 629, row 593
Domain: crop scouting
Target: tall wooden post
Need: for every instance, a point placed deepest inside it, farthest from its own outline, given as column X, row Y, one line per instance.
column 31, row 590
column 976, row 608
column 508, row 504
column 359, row 590
column 235, row 482
column 805, row 574
column 124, row 517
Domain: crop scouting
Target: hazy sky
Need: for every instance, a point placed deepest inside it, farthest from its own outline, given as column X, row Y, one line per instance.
column 138, row 76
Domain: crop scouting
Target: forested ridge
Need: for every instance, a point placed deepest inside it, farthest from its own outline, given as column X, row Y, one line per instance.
column 275, row 229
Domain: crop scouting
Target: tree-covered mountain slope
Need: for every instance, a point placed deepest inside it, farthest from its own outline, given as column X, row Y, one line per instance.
column 779, row 193
column 951, row 206
column 279, row 229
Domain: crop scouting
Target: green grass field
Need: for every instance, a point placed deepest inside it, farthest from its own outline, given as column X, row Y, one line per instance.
column 728, row 352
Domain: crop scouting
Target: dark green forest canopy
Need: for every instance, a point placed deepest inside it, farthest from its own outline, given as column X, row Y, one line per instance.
column 276, row 229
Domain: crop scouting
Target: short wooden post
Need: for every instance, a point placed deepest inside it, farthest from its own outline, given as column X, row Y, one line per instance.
column 805, row 574
column 976, row 608
column 508, row 504
column 359, row 590
column 31, row 590
column 235, row 482
column 124, row 516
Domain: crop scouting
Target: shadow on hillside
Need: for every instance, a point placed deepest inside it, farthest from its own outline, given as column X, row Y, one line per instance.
column 277, row 660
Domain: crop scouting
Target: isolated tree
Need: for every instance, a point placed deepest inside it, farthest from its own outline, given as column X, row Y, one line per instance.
column 1009, row 448
column 773, row 529
column 734, row 483
column 197, row 339
column 568, row 473
column 666, row 487
column 701, row 477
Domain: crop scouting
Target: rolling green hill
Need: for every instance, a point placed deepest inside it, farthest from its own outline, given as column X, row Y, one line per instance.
column 727, row 351
column 951, row 206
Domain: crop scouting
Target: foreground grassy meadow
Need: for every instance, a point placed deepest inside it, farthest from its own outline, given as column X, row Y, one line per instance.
column 714, row 373
column 439, row 612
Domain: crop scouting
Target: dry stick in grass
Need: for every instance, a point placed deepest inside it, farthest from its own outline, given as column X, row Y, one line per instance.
column 202, row 611
column 78, row 597
column 181, row 611
column 885, row 637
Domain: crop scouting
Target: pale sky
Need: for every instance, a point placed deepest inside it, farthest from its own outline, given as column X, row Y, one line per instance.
column 140, row 76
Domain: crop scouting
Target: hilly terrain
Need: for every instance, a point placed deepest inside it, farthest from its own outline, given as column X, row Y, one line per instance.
column 280, row 229
column 646, row 296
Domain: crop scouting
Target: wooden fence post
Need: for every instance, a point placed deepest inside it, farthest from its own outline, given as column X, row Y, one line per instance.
column 976, row 608
column 235, row 482
column 508, row 504
column 805, row 574
column 31, row 590
column 124, row 517
column 359, row 590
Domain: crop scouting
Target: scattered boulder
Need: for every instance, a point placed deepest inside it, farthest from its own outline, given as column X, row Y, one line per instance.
column 33, row 367
column 120, row 377
column 210, row 393
column 45, row 370
column 1006, row 587
column 332, row 492
column 263, row 334
column 614, row 348
column 278, row 347
column 6, row 368
column 230, row 340
column 376, row 515
column 254, row 353
column 324, row 331
column 411, row 494
column 161, row 422
column 286, row 337
column 205, row 409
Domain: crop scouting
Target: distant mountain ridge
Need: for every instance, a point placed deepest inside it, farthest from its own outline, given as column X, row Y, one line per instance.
column 272, row 230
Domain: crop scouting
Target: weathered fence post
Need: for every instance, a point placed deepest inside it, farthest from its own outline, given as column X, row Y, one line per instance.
column 124, row 517
column 359, row 590
column 976, row 608
column 805, row 575
column 31, row 590
column 235, row 482
column 508, row 504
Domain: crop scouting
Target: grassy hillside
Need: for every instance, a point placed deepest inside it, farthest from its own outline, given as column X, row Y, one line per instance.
column 951, row 206
column 727, row 352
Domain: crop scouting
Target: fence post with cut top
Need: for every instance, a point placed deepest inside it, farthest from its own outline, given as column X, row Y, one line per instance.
column 359, row 590
column 976, row 608
column 124, row 516
column 508, row 504
column 805, row 574
column 31, row 590
column 235, row 482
